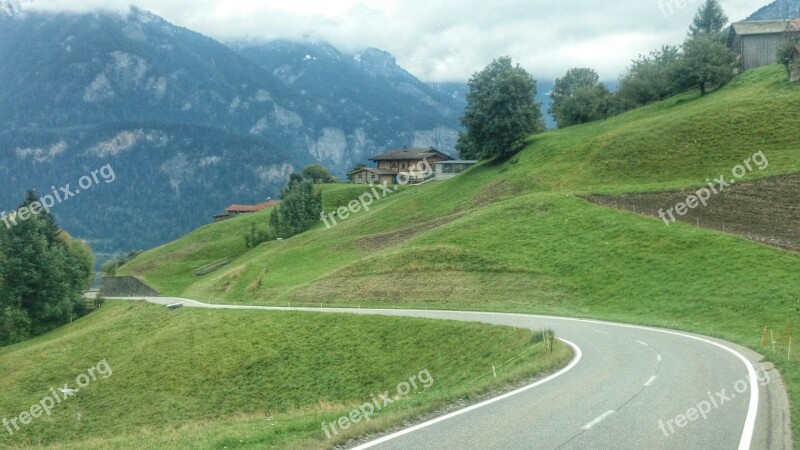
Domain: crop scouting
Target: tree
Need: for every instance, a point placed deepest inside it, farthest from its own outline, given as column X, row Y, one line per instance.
column 317, row 174
column 709, row 20
column 706, row 63
column 43, row 274
column 578, row 98
column 500, row 112
column 301, row 207
column 649, row 78
column 586, row 104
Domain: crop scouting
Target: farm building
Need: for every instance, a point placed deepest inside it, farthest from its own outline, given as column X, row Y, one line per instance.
column 411, row 161
column 445, row 170
column 794, row 65
column 757, row 43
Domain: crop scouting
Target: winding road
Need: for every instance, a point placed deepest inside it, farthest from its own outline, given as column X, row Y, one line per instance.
column 628, row 387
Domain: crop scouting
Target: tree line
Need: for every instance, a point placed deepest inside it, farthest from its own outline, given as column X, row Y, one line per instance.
column 43, row 274
column 501, row 112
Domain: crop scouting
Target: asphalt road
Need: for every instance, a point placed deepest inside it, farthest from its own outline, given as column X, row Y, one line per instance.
column 628, row 387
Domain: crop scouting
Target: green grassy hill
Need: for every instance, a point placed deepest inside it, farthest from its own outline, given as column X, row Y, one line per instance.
column 193, row 378
column 519, row 236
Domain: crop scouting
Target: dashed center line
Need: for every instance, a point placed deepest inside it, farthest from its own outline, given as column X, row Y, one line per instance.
column 659, row 356
column 598, row 420
column 650, row 381
column 643, row 343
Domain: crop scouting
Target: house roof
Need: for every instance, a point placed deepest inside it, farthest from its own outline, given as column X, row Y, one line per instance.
column 376, row 171
column 409, row 153
column 764, row 27
column 251, row 208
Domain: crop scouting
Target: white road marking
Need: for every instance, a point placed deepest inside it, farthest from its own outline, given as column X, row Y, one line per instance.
column 601, row 332
column 650, row 381
column 752, row 408
column 598, row 420
column 659, row 356
column 575, row 360
column 643, row 343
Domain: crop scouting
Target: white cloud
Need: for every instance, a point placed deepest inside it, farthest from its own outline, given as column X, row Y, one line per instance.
column 448, row 40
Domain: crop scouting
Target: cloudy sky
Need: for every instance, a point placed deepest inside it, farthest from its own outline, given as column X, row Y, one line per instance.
column 448, row 40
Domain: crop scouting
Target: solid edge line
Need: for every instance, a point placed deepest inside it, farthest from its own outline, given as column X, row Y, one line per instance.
column 752, row 410
column 572, row 364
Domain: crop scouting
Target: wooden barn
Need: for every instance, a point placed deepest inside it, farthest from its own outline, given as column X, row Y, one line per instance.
column 757, row 43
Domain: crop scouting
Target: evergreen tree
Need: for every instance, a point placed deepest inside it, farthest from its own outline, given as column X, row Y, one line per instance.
column 709, row 20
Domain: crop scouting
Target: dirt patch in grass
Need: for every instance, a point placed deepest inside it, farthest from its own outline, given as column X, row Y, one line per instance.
column 383, row 241
column 495, row 191
column 765, row 210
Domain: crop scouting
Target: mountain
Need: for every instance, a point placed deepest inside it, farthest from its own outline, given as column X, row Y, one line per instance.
column 779, row 9
column 190, row 125
column 362, row 104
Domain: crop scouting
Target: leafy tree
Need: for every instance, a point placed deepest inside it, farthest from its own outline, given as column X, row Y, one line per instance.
column 301, row 207
column 649, row 78
column 706, row 63
column 500, row 112
column 256, row 236
column 709, row 20
column 578, row 98
column 586, row 104
column 318, row 174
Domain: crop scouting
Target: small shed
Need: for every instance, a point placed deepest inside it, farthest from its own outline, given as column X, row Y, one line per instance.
column 756, row 43
column 445, row 170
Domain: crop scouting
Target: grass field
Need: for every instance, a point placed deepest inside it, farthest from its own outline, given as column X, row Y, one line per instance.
column 192, row 378
column 518, row 235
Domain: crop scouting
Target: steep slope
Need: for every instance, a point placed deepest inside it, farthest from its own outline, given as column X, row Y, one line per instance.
column 384, row 103
column 518, row 236
column 245, row 379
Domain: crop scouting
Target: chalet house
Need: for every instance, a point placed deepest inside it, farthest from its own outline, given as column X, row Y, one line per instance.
column 394, row 162
column 757, row 43
column 238, row 210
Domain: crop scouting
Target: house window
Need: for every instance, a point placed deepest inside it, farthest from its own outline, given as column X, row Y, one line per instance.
column 361, row 176
column 394, row 165
column 403, row 166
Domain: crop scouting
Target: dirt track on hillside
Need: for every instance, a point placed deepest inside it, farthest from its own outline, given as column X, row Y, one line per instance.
column 765, row 210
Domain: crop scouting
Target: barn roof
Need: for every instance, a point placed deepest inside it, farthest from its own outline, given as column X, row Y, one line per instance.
column 765, row 27
column 251, row 208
